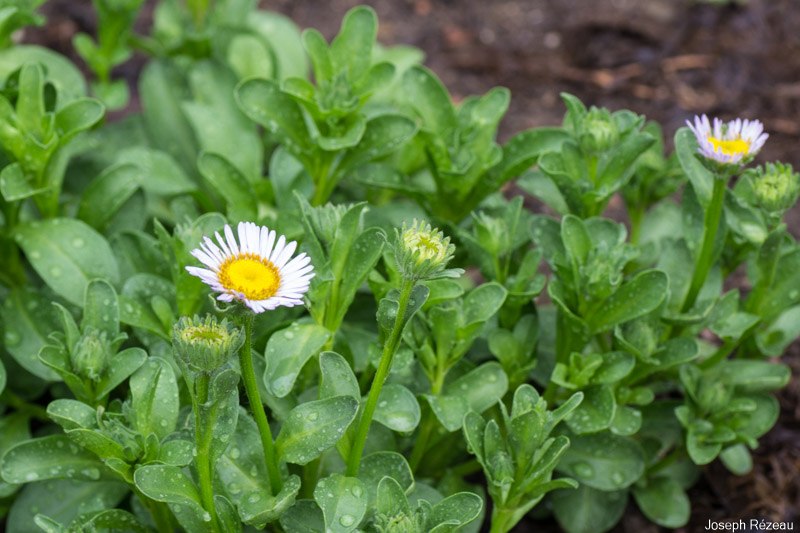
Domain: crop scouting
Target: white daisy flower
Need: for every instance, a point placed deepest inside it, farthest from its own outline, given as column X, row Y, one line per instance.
column 256, row 270
column 728, row 143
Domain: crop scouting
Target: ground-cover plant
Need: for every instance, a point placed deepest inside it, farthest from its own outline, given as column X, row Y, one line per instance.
column 304, row 302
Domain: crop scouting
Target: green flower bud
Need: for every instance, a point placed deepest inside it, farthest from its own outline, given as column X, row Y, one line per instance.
column 422, row 252
column 776, row 188
column 598, row 132
column 90, row 354
column 205, row 345
column 399, row 523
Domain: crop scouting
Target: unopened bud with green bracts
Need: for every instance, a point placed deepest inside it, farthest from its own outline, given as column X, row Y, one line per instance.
column 204, row 345
column 776, row 187
column 598, row 132
column 423, row 252
column 90, row 354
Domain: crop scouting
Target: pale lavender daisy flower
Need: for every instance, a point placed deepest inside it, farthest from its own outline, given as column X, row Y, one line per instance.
column 256, row 270
column 735, row 142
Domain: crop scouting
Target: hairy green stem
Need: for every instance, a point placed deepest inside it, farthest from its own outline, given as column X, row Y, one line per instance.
column 704, row 258
column 389, row 348
column 665, row 461
column 426, row 426
column 251, row 387
column 203, row 444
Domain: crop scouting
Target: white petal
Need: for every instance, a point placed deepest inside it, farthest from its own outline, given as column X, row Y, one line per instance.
column 278, row 249
column 267, row 243
column 286, row 254
column 204, row 258
column 231, row 240
column 223, row 245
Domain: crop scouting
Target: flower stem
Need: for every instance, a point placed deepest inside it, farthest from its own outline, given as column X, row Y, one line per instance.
column 426, row 426
column 251, row 387
column 162, row 517
column 31, row 409
column 389, row 348
column 202, row 435
column 704, row 258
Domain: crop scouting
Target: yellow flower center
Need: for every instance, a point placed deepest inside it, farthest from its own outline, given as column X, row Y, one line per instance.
column 428, row 247
column 251, row 275
column 736, row 146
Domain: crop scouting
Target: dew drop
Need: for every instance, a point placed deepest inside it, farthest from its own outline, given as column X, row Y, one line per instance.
column 12, row 338
column 617, row 478
column 288, row 335
column 347, row 520
column 583, row 470
column 55, row 271
column 312, row 416
column 235, row 453
column 78, row 242
column 253, row 498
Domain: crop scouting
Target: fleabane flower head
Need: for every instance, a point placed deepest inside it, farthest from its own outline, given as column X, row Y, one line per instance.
column 204, row 345
column 257, row 270
column 776, row 187
column 423, row 252
column 733, row 144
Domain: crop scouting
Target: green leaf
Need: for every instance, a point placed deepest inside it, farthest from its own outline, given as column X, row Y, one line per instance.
column 391, row 499
column 284, row 39
column 50, row 457
column 160, row 172
column 336, row 377
column 455, row 511
column 287, row 352
column 106, row 195
column 77, row 116
column 313, row 427
column 61, row 72
column 633, row 299
column 352, row 48
column 588, row 510
column 101, row 308
column 221, row 411
column 63, row 500
column 28, row 319
column 777, row 336
column 663, row 501
column 162, row 89
column 260, row 508
column 595, row 412
column 116, row 520
column 785, row 289
column 122, row 365
column 67, row 254
column 397, row 408
column 266, row 104
column 701, row 178
column 2, row 377
column 431, row 100
column 15, row 185
column 577, row 241
column 242, row 468
column 383, row 135
column 154, row 398
column 387, row 308
column 757, row 376
column 737, row 459
column 304, row 516
column 627, row 420
column 617, row 166
column 343, row 501
column 476, row 391
column 165, row 483
column 603, row 461
column 615, row 366
column 231, row 184
column 376, row 466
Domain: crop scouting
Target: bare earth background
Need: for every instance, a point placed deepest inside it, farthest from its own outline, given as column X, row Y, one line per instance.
column 666, row 59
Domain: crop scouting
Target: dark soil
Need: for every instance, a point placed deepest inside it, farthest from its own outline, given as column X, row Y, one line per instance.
column 666, row 59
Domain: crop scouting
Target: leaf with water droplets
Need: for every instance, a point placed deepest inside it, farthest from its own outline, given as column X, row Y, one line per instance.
column 313, row 427
column 588, row 510
column 242, row 467
column 287, row 352
column 56, row 456
column 378, row 465
column 343, row 501
column 663, row 501
column 603, row 460
column 259, row 508
column 67, row 254
column 476, row 391
column 28, row 319
column 154, row 398
column 633, row 299
column 107, row 193
column 304, row 516
column 165, row 483
column 63, row 500
column 397, row 408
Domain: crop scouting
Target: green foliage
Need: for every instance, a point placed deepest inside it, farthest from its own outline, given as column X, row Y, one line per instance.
column 420, row 356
